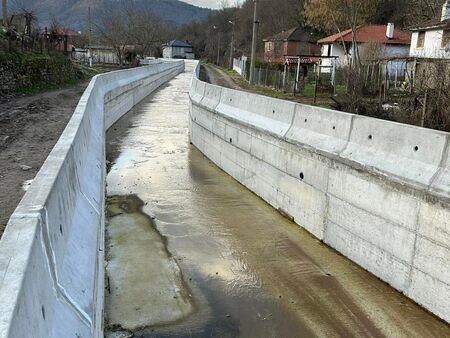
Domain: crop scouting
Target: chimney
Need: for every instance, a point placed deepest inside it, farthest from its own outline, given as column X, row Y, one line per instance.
column 390, row 31
column 446, row 11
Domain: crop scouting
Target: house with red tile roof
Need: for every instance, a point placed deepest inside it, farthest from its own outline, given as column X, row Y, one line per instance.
column 394, row 42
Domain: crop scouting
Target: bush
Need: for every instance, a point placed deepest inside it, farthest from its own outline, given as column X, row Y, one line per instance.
column 23, row 71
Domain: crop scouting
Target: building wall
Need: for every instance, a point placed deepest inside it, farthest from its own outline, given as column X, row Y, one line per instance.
column 389, row 51
column 432, row 47
column 336, row 50
column 276, row 51
column 167, row 52
column 176, row 52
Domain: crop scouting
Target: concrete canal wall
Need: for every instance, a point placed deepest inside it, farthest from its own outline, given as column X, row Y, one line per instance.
column 376, row 191
column 51, row 254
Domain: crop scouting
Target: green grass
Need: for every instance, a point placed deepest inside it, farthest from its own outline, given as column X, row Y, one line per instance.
column 306, row 96
column 83, row 73
column 50, row 87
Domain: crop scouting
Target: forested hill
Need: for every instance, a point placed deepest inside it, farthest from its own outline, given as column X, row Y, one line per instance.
column 73, row 13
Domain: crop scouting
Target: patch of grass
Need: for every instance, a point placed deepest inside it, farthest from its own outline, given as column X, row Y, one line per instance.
column 306, row 96
column 50, row 87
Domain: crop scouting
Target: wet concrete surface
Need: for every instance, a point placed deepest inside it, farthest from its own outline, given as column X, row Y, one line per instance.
column 239, row 267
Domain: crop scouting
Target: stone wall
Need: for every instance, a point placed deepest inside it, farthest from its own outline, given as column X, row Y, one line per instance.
column 21, row 72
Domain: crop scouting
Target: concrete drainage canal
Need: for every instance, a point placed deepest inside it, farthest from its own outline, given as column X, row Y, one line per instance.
column 192, row 253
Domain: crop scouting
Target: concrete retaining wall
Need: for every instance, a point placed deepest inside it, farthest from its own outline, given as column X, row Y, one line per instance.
column 51, row 254
column 376, row 191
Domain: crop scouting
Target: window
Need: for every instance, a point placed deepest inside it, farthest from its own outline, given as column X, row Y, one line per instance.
column 329, row 50
column 446, row 38
column 421, row 40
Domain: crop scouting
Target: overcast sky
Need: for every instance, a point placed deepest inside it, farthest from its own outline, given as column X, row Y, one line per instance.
column 207, row 3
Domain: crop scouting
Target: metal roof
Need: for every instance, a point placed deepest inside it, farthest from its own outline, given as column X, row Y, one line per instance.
column 178, row 43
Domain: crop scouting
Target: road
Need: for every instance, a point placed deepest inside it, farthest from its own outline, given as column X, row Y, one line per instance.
column 192, row 253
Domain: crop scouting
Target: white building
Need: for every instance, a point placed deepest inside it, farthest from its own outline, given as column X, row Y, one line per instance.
column 177, row 49
column 395, row 42
column 432, row 40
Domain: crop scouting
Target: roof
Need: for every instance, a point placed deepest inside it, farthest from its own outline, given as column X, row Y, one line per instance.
column 178, row 43
column 370, row 33
column 62, row 31
column 431, row 25
column 293, row 34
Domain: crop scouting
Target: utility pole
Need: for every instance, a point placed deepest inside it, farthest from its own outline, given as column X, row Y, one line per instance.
column 254, row 42
column 218, row 44
column 218, row 50
column 5, row 13
column 232, row 43
column 90, row 38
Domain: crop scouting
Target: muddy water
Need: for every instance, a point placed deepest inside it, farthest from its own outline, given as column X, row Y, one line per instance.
column 192, row 253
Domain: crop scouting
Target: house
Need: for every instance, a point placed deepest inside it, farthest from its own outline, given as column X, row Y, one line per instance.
column 395, row 42
column 61, row 38
column 294, row 42
column 177, row 49
column 432, row 40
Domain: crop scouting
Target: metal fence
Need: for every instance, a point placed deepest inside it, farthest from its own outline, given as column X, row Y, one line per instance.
column 373, row 77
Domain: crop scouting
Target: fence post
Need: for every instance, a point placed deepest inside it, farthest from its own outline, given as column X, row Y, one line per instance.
column 396, row 77
column 267, row 74
column 424, row 110
column 317, row 83
column 413, row 75
column 333, row 77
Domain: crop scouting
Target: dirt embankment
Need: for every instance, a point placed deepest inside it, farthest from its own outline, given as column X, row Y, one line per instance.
column 30, row 126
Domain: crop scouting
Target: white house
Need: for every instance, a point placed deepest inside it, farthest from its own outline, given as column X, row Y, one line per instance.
column 432, row 40
column 177, row 49
column 396, row 43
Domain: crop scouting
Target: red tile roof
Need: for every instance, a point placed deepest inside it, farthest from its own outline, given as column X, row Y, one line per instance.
column 370, row 33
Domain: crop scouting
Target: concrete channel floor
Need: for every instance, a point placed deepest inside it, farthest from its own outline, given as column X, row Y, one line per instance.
column 192, row 253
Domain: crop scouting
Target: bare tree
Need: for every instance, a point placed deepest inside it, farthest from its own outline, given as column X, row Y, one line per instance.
column 336, row 15
column 146, row 30
column 126, row 26
column 114, row 30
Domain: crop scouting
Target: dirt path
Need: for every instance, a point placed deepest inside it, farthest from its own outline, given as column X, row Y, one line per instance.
column 217, row 77
column 30, row 126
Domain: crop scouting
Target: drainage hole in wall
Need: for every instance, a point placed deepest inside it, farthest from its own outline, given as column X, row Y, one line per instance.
column 302, row 176
column 231, row 100
column 334, row 127
column 370, row 137
column 306, row 120
column 273, row 111
column 60, row 229
column 416, row 148
column 43, row 311
column 231, row 140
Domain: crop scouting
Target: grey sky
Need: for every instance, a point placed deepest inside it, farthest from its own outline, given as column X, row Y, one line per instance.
column 207, row 3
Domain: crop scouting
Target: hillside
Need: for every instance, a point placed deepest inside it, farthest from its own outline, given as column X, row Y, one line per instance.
column 73, row 13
